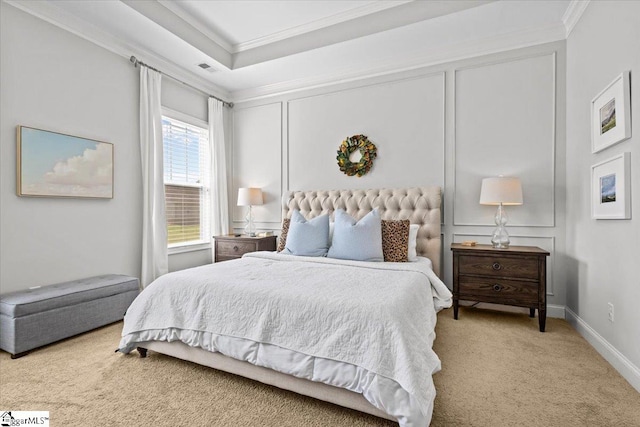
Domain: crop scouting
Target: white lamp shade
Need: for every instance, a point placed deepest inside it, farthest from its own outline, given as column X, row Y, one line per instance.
column 501, row 189
column 249, row 197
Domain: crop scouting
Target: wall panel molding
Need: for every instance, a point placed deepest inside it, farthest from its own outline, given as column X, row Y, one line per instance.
column 396, row 91
column 284, row 151
column 553, row 138
column 301, row 119
column 257, row 167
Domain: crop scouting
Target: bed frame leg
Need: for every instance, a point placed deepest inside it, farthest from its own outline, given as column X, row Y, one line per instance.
column 142, row 352
column 18, row 355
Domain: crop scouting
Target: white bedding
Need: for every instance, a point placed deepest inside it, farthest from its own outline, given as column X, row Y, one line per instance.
column 366, row 327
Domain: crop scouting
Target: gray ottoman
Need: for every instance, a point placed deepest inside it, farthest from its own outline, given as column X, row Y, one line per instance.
column 35, row 317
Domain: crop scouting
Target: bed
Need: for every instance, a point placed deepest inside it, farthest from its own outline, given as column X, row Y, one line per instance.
column 354, row 333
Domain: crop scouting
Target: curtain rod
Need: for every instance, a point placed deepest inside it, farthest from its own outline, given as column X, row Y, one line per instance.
column 135, row 63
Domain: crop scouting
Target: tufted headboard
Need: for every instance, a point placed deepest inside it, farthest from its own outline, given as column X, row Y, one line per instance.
column 420, row 205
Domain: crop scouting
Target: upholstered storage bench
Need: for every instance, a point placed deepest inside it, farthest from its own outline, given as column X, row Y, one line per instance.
column 35, row 317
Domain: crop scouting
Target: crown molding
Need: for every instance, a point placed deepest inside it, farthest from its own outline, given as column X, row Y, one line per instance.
column 195, row 23
column 318, row 24
column 172, row 17
column 460, row 51
column 183, row 29
column 573, row 14
column 47, row 11
column 403, row 14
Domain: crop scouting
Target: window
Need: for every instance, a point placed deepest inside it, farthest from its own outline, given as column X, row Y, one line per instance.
column 186, row 182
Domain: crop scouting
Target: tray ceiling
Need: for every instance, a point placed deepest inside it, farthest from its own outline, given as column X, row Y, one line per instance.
column 256, row 48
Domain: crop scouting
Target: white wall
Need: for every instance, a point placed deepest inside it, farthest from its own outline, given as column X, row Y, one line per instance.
column 602, row 255
column 54, row 80
column 184, row 99
column 505, row 124
column 256, row 154
column 404, row 118
column 448, row 125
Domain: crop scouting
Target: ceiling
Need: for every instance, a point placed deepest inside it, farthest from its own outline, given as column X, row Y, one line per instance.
column 258, row 48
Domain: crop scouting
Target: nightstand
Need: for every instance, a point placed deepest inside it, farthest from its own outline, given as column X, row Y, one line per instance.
column 514, row 276
column 232, row 247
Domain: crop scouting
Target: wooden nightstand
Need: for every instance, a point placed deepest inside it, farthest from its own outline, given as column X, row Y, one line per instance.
column 515, row 276
column 232, row 247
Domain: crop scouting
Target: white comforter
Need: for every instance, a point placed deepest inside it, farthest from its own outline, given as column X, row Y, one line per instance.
column 373, row 321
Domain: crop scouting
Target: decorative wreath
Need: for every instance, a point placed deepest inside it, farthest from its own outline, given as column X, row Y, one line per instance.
column 367, row 149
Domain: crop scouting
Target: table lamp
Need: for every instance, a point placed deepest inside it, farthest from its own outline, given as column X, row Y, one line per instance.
column 501, row 191
column 250, row 197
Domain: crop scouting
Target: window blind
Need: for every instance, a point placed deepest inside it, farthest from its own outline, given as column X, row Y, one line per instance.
column 186, row 182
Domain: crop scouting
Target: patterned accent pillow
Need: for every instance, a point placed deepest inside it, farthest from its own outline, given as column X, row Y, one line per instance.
column 282, row 241
column 395, row 240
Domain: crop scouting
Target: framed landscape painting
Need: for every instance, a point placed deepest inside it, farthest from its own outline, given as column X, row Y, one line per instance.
column 611, row 114
column 51, row 164
column 611, row 188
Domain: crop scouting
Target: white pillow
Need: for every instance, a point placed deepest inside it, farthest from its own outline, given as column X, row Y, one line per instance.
column 412, row 256
column 357, row 240
column 307, row 238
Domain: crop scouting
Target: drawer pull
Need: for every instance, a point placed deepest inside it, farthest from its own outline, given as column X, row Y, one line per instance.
column 235, row 248
column 497, row 287
column 496, row 266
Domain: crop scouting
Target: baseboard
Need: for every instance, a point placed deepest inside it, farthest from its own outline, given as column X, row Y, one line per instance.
column 556, row 311
column 628, row 370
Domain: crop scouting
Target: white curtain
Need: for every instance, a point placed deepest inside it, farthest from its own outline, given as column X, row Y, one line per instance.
column 219, row 196
column 155, row 260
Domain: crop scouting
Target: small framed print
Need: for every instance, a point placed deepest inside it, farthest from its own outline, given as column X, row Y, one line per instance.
column 611, row 188
column 611, row 114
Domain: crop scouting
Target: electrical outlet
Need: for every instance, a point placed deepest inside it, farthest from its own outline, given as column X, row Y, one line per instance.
column 610, row 312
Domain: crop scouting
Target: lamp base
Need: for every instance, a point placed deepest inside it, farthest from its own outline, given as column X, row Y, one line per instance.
column 499, row 245
column 250, row 229
column 500, row 238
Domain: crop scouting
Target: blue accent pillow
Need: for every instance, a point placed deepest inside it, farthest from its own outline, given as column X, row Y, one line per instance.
column 357, row 240
column 307, row 238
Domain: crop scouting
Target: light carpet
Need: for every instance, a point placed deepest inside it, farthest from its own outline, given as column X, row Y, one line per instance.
column 497, row 370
